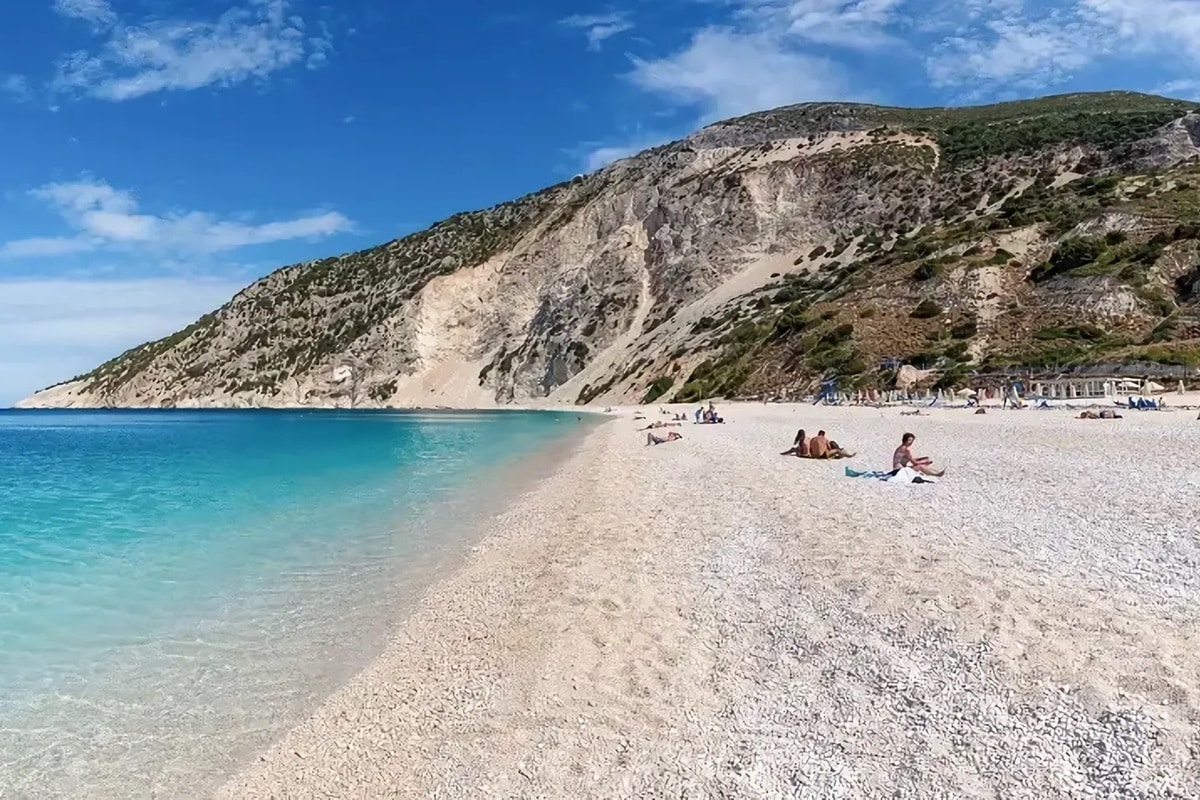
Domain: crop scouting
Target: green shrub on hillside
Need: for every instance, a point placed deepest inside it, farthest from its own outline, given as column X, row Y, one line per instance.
column 927, row 271
column 658, row 388
column 927, row 309
column 1070, row 254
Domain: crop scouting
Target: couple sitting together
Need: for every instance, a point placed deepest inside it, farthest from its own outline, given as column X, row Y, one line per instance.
column 816, row 447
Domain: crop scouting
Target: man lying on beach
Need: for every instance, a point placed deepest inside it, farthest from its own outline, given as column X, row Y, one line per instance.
column 660, row 425
column 1105, row 414
column 670, row 437
column 903, row 457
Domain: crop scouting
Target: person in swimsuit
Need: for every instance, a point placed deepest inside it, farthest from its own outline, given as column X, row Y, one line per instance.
column 670, row 437
column 819, row 446
column 822, row 447
column 799, row 445
column 903, row 457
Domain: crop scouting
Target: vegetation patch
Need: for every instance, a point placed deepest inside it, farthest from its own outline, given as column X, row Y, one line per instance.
column 927, row 271
column 927, row 309
column 658, row 388
column 382, row 391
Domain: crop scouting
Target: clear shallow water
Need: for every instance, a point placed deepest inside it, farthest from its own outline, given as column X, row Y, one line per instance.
column 177, row 588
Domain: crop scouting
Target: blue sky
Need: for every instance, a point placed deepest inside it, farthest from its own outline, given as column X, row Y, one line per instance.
column 161, row 154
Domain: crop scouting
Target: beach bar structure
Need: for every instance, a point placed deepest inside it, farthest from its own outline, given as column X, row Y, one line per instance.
column 1093, row 388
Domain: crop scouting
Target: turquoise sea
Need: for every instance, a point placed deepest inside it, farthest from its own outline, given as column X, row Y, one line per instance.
column 178, row 588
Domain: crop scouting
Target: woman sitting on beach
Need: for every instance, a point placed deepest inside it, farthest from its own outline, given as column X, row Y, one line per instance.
column 903, row 457
column 673, row 436
column 799, row 445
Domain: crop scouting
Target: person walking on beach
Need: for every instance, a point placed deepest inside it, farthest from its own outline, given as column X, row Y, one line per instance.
column 903, row 457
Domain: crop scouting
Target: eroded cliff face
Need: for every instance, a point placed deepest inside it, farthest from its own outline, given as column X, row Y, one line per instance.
column 643, row 277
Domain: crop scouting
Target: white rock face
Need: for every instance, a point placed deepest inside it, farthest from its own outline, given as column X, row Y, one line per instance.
column 612, row 269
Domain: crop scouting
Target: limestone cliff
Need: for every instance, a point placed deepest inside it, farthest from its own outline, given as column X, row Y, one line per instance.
column 757, row 256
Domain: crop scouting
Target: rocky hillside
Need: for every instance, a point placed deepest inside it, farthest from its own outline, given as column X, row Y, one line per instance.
column 757, row 256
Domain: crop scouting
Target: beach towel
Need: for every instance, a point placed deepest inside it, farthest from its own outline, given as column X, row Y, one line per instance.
column 906, row 475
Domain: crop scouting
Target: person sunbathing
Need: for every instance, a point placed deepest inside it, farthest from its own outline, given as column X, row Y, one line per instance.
column 1105, row 414
column 799, row 445
column 673, row 436
column 660, row 424
column 903, row 457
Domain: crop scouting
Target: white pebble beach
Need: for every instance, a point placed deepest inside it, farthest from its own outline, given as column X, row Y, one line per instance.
column 708, row 618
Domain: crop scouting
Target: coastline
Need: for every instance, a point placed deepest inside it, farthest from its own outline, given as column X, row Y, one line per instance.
column 709, row 617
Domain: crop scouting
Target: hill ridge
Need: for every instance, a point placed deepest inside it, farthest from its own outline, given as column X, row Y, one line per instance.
column 758, row 255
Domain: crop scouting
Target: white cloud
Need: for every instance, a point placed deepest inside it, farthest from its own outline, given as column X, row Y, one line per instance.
column 17, row 87
column 841, row 23
column 46, row 247
column 1146, row 25
column 759, row 61
column 98, row 13
column 320, row 47
column 726, row 73
column 1011, row 44
column 599, row 156
column 599, row 27
column 250, row 42
column 1027, row 55
column 55, row 329
column 1186, row 89
column 773, row 52
column 766, row 56
column 104, row 217
column 84, row 196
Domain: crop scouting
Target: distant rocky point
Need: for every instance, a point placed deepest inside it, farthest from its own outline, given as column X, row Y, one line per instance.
column 758, row 256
